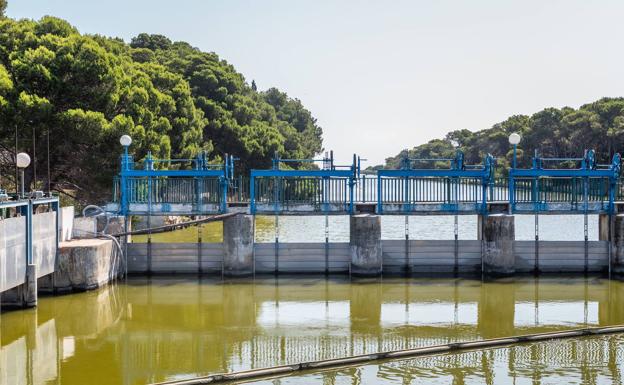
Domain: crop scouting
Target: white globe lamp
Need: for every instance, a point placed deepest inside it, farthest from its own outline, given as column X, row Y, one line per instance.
column 125, row 140
column 514, row 139
column 22, row 160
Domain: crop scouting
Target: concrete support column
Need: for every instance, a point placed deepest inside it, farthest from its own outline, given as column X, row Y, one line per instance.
column 29, row 291
column 24, row 295
column 238, row 245
column 603, row 227
column 618, row 245
column 365, row 245
column 498, row 235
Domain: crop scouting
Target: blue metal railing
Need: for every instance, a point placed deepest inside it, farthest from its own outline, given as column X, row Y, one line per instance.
column 200, row 190
column 459, row 188
column 591, row 187
column 330, row 189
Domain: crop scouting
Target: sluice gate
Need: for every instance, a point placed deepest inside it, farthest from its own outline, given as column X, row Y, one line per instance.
column 426, row 257
column 29, row 239
column 422, row 186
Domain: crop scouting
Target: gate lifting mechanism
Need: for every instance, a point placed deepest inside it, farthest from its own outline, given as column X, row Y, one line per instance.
column 461, row 188
column 150, row 191
column 590, row 188
column 329, row 190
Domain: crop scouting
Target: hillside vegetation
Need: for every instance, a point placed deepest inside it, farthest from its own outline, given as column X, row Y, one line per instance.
column 85, row 91
column 554, row 132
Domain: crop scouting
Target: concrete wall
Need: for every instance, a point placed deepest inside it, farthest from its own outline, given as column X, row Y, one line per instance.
column 302, row 258
column 175, row 257
column 562, row 256
column 431, row 256
column 66, row 226
column 44, row 243
column 423, row 256
column 12, row 252
column 18, row 278
column 84, row 227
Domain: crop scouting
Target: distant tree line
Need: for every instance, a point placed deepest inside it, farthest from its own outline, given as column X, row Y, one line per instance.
column 84, row 91
column 553, row 132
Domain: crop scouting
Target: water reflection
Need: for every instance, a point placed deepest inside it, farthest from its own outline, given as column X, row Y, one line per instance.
column 152, row 330
column 592, row 360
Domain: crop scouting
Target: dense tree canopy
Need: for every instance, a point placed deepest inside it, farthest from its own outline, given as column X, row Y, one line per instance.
column 85, row 91
column 553, row 132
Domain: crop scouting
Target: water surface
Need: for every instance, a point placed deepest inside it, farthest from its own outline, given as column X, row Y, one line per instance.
column 589, row 360
column 147, row 330
column 312, row 228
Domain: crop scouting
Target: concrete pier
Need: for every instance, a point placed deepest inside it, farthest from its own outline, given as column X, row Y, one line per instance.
column 238, row 245
column 29, row 290
column 603, row 226
column 617, row 263
column 25, row 295
column 84, row 264
column 365, row 245
column 498, row 235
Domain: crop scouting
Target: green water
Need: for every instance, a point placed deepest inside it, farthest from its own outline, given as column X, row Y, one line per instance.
column 591, row 360
column 143, row 331
column 208, row 233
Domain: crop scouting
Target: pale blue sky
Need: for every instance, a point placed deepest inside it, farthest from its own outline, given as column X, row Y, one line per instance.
column 383, row 76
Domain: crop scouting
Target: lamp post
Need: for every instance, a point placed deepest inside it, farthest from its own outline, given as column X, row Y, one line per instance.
column 125, row 141
column 22, row 160
column 514, row 139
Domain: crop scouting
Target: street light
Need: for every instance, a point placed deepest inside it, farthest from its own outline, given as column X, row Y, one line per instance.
column 125, row 140
column 22, row 160
column 514, row 139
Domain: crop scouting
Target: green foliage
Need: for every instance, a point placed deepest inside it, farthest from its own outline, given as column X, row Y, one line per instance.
column 553, row 132
column 174, row 100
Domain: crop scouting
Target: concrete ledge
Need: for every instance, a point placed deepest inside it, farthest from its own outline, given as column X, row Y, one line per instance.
column 85, row 264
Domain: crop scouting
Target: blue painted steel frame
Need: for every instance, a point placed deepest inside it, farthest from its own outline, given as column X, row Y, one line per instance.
column 456, row 171
column 329, row 171
column 589, row 169
column 224, row 172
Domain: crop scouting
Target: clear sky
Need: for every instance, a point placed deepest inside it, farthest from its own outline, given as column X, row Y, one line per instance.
column 386, row 75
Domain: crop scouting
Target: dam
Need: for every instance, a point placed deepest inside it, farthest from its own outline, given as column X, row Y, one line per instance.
column 288, row 266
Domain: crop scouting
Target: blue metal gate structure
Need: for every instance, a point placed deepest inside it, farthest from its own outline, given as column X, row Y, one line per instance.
column 151, row 191
column 458, row 189
column 421, row 186
column 329, row 190
column 590, row 188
